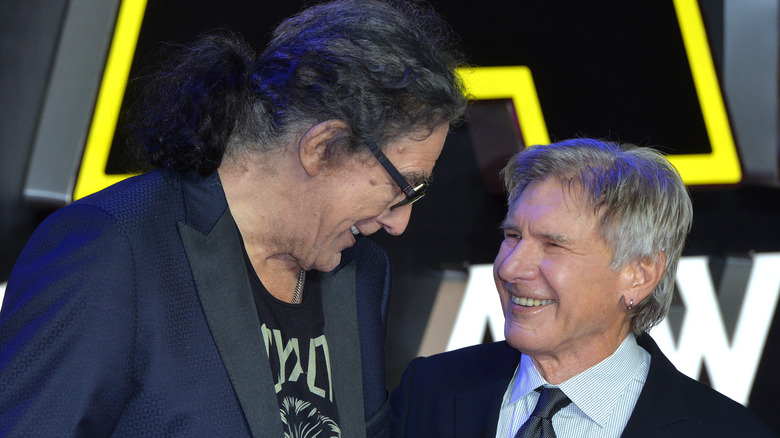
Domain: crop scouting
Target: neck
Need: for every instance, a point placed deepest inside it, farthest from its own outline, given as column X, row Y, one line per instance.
column 558, row 368
column 257, row 189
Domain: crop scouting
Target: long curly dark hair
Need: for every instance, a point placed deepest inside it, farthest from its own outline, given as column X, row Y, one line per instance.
column 385, row 70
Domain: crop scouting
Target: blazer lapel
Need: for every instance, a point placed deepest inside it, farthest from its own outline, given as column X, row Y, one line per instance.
column 477, row 412
column 478, row 407
column 341, row 331
column 661, row 402
column 226, row 297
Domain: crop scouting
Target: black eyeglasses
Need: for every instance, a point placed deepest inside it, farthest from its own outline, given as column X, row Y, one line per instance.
column 413, row 194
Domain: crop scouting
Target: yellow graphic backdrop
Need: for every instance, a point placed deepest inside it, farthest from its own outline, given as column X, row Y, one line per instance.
column 720, row 166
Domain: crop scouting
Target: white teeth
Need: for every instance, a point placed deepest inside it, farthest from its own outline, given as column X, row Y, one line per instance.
column 530, row 302
column 354, row 230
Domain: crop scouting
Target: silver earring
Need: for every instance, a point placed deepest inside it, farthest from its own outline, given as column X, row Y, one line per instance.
column 631, row 304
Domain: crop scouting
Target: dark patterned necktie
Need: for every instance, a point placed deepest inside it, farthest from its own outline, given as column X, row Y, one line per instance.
column 539, row 425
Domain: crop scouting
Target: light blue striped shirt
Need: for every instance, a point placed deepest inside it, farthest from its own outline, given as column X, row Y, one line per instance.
column 602, row 396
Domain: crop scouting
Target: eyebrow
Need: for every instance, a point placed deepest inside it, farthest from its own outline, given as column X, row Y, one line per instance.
column 506, row 225
column 557, row 238
column 550, row 236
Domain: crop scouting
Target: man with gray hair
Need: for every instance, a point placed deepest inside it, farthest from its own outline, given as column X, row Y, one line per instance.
column 592, row 239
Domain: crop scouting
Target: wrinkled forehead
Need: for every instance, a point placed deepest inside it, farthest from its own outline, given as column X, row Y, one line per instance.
column 578, row 195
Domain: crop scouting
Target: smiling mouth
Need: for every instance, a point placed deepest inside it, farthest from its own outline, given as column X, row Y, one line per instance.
column 354, row 230
column 530, row 302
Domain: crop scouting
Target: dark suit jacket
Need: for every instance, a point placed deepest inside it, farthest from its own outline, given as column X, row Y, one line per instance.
column 459, row 394
column 130, row 313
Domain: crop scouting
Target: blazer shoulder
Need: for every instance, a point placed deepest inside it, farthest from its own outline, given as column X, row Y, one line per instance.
column 477, row 364
column 129, row 201
column 719, row 415
column 460, row 390
column 136, row 185
column 672, row 401
column 159, row 198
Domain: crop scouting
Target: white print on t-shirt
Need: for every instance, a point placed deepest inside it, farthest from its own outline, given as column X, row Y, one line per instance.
column 302, row 420
column 273, row 337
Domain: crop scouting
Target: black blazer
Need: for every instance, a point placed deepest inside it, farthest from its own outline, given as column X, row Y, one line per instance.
column 130, row 313
column 459, row 394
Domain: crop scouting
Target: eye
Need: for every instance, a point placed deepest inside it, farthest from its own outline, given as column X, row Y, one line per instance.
column 554, row 247
column 512, row 237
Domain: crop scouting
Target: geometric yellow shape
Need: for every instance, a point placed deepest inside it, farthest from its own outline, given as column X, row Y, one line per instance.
column 513, row 82
column 92, row 174
column 721, row 166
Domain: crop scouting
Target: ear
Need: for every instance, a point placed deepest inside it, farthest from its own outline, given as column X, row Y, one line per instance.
column 313, row 145
column 642, row 277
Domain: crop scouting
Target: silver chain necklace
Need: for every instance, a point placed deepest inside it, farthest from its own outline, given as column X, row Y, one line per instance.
column 296, row 299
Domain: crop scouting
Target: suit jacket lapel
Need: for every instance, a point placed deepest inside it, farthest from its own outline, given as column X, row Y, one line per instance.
column 341, row 331
column 226, row 297
column 477, row 411
column 661, row 402
column 478, row 407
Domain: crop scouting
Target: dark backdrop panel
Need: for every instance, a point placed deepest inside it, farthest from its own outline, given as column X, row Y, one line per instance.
column 29, row 31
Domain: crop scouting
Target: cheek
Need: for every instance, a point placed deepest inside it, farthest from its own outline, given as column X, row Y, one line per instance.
column 565, row 277
column 582, row 294
column 375, row 199
column 363, row 187
column 362, row 205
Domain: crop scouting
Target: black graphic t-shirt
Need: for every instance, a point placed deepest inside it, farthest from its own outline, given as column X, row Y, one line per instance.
column 294, row 336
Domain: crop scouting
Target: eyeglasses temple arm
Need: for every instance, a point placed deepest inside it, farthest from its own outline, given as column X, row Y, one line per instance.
column 394, row 173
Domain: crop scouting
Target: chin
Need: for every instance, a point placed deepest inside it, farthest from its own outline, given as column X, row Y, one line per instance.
column 513, row 339
column 522, row 339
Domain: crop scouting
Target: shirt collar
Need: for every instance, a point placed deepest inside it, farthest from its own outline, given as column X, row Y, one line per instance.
column 607, row 380
column 526, row 379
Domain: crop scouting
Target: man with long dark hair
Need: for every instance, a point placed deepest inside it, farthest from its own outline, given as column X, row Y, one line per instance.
column 230, row 292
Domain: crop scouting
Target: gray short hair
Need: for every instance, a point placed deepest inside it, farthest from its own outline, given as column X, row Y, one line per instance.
column 642, row 203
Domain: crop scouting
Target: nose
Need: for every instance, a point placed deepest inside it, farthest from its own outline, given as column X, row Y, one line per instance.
column 518, row 263
column 395, row 221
